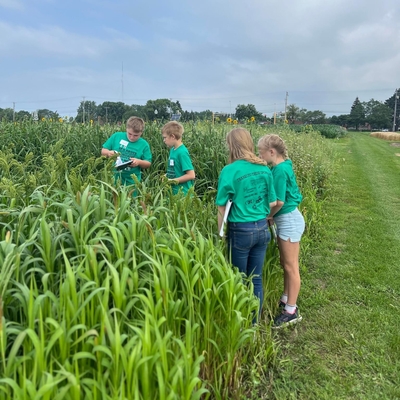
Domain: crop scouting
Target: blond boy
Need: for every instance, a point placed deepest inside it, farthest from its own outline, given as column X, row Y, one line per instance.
column 180, row 169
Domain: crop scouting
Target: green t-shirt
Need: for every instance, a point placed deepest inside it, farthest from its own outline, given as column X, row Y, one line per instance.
column 178, row 163
column 250, row 187
column 286, row 187
column 139, row 149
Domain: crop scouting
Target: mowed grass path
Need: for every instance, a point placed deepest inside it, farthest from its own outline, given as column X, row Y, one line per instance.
column 348, row 344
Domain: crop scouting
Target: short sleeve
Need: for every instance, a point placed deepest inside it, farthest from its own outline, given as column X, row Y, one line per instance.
column 280, row 183
column 147, row 156
column 186, row 162
column 271, row 193
column 224, row 192
column 109, row 143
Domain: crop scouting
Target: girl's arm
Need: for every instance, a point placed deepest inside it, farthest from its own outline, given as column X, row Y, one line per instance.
column 221, row 212
column 275, row 208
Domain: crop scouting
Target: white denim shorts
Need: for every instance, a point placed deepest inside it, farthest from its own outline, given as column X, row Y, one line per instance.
column 290, row 226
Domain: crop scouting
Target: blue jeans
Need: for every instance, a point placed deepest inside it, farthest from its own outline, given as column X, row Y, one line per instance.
column 247, row 245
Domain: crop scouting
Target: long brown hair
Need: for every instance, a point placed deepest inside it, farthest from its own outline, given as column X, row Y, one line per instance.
column 241, row 146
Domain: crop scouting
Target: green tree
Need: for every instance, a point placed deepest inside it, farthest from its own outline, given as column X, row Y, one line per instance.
column 111, row 111
column 357, row 114
column 314, row 117
column 341, row 120
column 87, row 111
column 390, row 102
column 22, row 114
column 6, row 113
column 244, row 113
column 293, row 113
column 48, row 114
column 158, row 109
column 134, row 110
column 377, row 114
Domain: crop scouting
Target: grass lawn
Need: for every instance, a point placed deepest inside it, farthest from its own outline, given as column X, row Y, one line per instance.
column 348, row 344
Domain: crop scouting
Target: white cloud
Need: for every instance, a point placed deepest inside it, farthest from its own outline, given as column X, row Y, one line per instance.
column 207, row 52
column 56, row 41
column 12, row 4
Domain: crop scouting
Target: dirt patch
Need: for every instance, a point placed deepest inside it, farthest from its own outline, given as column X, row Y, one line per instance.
column 321, row 284
column 397, row 154
column 395, row 144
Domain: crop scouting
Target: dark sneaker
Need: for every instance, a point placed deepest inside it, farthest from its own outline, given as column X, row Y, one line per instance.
column 281, row 305
column 286, row 319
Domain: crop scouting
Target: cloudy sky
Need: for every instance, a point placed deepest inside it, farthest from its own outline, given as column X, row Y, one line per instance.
column 208, row 54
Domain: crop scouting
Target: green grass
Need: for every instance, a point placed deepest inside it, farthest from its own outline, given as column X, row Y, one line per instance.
column 348, row 345
column 105, row 295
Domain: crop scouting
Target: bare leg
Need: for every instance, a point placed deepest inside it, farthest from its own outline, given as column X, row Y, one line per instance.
column 289, row 256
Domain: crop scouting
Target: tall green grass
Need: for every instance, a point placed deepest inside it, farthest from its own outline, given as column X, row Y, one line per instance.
column 105, row 295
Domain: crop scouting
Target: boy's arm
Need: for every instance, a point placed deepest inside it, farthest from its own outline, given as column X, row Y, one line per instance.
column 144, row 164
column 189, row 176
column 144, row 161
column 107, row 153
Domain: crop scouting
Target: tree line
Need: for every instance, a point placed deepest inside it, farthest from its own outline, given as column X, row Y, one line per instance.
column 372, row 114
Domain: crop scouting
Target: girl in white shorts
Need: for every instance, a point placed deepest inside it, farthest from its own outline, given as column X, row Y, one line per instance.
column 289, row 222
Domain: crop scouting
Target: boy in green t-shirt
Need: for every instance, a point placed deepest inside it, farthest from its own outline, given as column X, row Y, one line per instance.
column 180, row 171
column 129, row 146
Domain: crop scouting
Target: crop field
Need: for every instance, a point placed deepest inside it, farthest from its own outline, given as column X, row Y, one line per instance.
column 108, row 296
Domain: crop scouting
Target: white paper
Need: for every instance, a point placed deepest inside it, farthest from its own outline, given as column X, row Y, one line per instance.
column 225, row 219
column 273, row 230
column 118, row 161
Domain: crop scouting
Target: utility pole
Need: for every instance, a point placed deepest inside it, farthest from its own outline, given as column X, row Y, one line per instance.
column 274, row 113
column 395, row 110
column 230, row 110
column 83, row 105
column 106, row 114
column 287, row 94
column 13, row 111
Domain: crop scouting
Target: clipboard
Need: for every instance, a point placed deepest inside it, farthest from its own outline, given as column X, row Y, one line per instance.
column 123, row 165
column 225, row 219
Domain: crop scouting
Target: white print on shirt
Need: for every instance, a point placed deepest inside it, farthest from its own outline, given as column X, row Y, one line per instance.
column 123, row 143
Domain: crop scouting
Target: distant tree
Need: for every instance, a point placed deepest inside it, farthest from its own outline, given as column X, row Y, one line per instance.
column 341, row 120
column 177, row 108
column 203, row 115
column 185, row 116
column 134, row 110
column 377, row 114
column 21, row 115
column 244, row 113
column 357, row 114
column 390, row 102
column 48, row 114
column 87, row 111
column 293, row 113
column 158, row 109
column 314, row 117
column 112, row 111
column 6, row 114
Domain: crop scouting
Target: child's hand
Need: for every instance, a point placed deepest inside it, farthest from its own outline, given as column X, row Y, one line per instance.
column 173, row 181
